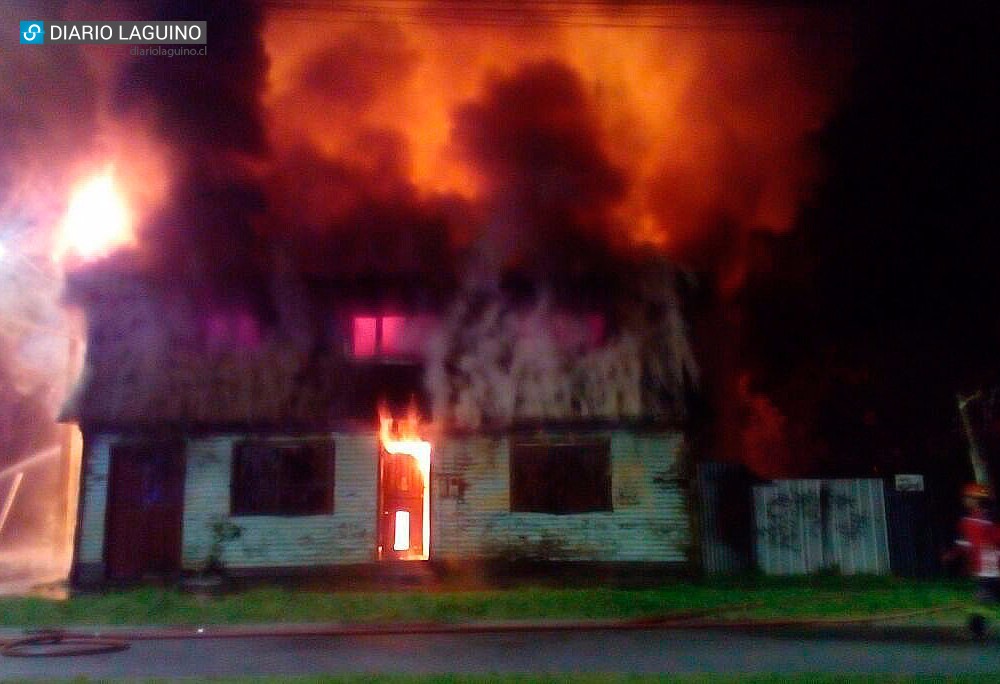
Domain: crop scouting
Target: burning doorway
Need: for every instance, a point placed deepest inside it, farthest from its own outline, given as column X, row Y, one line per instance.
column 403, row 489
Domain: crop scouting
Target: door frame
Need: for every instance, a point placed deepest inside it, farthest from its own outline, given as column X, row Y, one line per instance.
column 177, row 450
column 386, row 555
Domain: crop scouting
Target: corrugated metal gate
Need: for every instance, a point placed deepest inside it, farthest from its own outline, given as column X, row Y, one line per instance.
column 805, row 526
column 725, row 520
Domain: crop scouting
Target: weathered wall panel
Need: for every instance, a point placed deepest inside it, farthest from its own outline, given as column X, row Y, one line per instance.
column 93, row 504
column 470, row 507
column 805, row 526
column 471, row 516
column 343, row 537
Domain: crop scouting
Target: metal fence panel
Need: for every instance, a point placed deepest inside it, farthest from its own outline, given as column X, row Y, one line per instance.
column 804, row 526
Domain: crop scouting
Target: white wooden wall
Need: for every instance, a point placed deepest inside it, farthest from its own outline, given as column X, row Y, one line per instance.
column 346, row 536
column 649, row 520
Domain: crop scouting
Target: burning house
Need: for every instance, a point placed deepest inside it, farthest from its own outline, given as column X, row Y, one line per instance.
column 405, row 289
column 500, row 423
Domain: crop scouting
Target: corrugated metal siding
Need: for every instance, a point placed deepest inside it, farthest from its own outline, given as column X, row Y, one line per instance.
column 803, row 526
column 346, row 536
column 725, row 510
column 93, row 506
column 649, row 521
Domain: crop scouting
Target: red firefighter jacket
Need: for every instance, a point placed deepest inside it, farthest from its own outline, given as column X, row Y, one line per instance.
column 980, row 540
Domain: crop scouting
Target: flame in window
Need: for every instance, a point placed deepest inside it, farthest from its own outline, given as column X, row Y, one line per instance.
column 402, row 540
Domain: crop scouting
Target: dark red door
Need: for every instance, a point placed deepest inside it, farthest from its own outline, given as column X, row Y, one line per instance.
column 401, row 524
column 145, row 510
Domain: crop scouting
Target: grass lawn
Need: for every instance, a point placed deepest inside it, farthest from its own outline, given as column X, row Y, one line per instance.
column 797, row 597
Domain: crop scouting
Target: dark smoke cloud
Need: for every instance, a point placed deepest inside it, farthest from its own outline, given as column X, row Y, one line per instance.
column 344, row 203
column 348, row 221
column 206, row 110
column 353, row 72
column 537, row 143
column 208, row 105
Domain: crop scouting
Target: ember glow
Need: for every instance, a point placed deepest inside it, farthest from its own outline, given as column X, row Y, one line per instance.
column 402, row 437
column 678, row 128
column 97, row 221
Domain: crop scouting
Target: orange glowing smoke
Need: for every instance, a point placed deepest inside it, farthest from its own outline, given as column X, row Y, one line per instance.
column 707, row 110
column 97, row 221
column 402, row 437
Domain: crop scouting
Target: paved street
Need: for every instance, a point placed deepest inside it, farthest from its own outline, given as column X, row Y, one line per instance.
column 637, row 651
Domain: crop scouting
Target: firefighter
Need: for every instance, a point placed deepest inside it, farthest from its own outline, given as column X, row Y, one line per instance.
column 978, row 542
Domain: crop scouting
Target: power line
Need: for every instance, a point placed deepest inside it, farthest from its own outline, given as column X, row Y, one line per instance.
column 583, row 13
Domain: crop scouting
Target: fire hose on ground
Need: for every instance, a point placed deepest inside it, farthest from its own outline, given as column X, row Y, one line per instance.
column 59, row 642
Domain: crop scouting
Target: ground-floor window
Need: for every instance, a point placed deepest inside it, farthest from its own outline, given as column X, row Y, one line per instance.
column 283, row 477
column 573, row 477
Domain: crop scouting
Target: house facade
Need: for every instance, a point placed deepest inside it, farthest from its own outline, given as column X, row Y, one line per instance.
column 458, row 432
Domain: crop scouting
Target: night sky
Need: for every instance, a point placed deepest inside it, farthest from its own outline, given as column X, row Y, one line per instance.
column 863, row 323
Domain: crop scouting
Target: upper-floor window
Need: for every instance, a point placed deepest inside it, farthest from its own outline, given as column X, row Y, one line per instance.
column 390, row 336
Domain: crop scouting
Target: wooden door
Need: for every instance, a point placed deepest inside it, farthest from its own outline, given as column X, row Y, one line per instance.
column 145, row 510
column 401, row 520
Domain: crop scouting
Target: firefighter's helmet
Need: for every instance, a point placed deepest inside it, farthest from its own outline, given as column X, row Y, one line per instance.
column 974, row 490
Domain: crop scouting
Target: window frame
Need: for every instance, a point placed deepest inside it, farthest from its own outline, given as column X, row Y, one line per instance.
column 282, row 476
column 383, row 343
column 559, row 496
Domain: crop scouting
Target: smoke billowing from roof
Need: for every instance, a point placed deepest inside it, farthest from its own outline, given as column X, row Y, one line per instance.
column 309, row 146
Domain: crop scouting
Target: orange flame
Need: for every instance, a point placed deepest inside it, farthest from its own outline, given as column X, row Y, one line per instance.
column 97, row 221
column 705, row 109
column 402, row 437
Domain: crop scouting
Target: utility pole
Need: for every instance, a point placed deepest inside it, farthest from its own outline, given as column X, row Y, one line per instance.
column 979, row 468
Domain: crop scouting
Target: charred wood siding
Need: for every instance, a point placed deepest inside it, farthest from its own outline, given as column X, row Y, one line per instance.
column 472, row 517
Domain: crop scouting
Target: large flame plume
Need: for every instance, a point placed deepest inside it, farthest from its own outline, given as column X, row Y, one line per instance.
column 97, row 221
column 684, row 128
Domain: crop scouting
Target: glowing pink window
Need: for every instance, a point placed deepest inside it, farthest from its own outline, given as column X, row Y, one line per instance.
column 365, row 335
column 595, row 330
column 393, row 338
